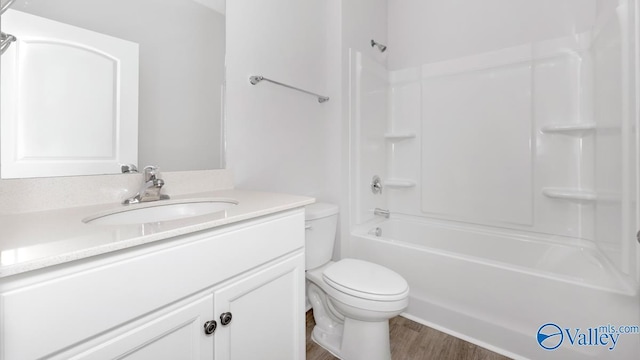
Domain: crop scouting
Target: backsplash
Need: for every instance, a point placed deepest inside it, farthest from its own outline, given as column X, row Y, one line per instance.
column 40, row 194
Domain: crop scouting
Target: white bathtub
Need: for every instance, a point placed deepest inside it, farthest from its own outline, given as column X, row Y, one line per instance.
column 496, row 288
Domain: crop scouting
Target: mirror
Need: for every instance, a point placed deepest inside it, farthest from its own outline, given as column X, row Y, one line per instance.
column 181, row 71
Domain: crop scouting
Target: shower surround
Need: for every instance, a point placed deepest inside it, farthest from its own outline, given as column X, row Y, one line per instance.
column 507, row 152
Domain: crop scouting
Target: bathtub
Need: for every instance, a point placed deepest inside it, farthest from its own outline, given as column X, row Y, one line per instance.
column 497, row 287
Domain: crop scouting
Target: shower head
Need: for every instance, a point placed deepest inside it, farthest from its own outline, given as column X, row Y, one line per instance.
column 380, row 47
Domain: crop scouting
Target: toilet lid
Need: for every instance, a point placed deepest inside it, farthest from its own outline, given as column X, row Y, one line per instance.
column 366, row 280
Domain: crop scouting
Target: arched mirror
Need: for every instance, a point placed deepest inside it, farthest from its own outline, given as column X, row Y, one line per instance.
column 89, row 83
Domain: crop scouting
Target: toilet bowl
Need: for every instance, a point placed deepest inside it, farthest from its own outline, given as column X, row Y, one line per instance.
column 352, row 299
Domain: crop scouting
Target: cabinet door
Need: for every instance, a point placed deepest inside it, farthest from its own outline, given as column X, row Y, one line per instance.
column 177, row 333
column 267, row 309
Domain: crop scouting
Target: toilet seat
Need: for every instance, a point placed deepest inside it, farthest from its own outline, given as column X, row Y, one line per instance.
column 366, row 280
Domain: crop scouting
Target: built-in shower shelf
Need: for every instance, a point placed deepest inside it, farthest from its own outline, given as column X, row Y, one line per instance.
column 570, row 194
column 400, row 183
column 569, row 129
column 397, row 136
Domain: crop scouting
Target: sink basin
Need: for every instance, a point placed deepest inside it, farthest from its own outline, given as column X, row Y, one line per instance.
column 160, row 211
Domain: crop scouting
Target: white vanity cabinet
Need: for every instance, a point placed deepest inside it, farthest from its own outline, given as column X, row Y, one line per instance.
column 174, row 333
column 267, row 314
column 153, row 301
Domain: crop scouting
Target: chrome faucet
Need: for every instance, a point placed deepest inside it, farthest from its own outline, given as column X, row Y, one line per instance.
column 150, row 190
column 381, row 212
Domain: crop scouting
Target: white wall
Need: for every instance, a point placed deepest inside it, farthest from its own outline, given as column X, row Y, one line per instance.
column 363, row 21
column 424, row 31
column 279, row 139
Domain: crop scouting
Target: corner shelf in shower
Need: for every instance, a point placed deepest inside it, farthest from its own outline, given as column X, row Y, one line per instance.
column 570, row 194
column 569, row 129
column 398, row 136
column 400, row 183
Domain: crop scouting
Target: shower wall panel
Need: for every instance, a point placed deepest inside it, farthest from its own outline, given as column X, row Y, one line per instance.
column 613, row 136
column 369, row 99
column 405, row 108
column 477, row 158
column 486, row 149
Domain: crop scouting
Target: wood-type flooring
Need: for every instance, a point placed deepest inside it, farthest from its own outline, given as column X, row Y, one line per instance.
column 413, row 341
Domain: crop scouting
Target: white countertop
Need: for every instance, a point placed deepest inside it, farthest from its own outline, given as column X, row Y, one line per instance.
column 35, row 240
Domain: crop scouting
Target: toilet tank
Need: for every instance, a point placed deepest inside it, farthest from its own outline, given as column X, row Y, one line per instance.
column 321, row 222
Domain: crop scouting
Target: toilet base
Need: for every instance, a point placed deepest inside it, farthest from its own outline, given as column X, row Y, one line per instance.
column 329, row 326
column 328, row 341
column 360, row 340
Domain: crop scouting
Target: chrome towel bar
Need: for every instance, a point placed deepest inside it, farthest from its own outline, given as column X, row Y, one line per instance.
column 5, row 6
column 5, row 41
column 254, row 80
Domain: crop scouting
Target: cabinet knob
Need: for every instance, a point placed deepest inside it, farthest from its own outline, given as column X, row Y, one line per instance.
column 210, row 327
column 225, row 318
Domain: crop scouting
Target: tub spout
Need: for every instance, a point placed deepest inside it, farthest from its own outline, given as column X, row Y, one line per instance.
column 381, row 212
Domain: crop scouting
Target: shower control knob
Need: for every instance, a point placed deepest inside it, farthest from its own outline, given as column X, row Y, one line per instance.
column 210, row 327
column 225, row 318
column 376, row 185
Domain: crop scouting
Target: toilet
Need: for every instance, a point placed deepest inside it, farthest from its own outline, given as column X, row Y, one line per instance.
column 352, row 299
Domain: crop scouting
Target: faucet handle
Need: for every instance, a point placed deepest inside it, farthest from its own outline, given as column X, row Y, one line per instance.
column 128, row 168
column 376, row 185
column 150, row 172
